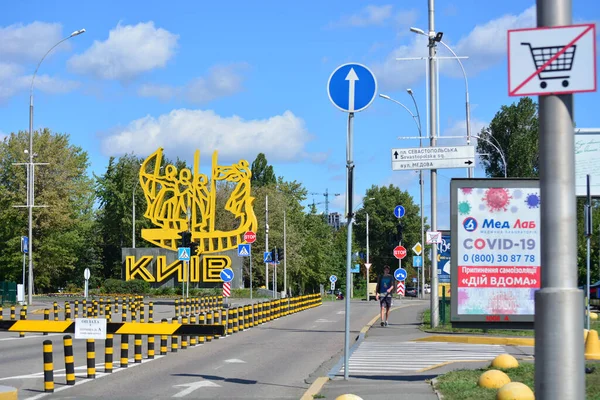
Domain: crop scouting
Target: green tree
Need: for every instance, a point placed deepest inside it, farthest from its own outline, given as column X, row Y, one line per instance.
column 262, row 172
column 514, row 129
column 63, row 230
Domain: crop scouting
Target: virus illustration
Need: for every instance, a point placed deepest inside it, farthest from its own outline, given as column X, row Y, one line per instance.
column 497, row 199
column 533, row 200
column 481, row 207
column 466, row 190
column 464, row 208
column 517, row 194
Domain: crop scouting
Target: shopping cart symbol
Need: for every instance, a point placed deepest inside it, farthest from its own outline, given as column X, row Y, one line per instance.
column 557, row 67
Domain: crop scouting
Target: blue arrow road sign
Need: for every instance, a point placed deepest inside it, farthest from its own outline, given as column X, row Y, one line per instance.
column 183, row 253
column 24, row 244
column 332, row 278
column 226, row 274
column 417, row 261
column 267, row 256
column 352, row 87
column 399, row 211
column 400, row 274
column 243, row 250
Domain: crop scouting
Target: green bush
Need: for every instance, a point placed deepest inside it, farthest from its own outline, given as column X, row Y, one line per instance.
column 113, row 286
column 164, row 291
column 136, row 286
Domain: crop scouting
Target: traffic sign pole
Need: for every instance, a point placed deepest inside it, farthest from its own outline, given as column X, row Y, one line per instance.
column 559, row 356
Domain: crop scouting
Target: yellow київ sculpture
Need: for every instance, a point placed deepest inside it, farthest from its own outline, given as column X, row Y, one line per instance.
column 179, row 200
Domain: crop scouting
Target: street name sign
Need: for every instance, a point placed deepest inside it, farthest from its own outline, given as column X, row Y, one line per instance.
column 352, row 87
column 433, row 157
column 552, row 60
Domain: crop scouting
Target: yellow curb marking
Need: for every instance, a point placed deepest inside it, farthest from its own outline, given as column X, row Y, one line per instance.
column 315, row 388
column 448, row 363
column 479, row 340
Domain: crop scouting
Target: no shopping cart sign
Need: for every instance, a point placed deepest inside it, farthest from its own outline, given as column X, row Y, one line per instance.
column 552, row 60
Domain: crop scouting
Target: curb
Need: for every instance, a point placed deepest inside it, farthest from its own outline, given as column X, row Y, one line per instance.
column 437, row 393
column 479, row 340
column 8, row 393
column 315, row 388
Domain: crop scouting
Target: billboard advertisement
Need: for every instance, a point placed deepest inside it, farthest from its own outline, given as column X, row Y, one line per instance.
column 496, row 251
column 444, row 263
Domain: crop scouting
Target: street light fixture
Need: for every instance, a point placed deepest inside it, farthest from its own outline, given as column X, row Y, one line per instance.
column 417, row 120
column 497, row 149
column 438, row 38
column 30, row 168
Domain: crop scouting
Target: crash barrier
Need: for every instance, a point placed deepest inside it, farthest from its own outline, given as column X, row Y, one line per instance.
column 209, row 325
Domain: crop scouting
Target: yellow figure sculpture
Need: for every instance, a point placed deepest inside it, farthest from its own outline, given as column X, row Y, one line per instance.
column 179, row 200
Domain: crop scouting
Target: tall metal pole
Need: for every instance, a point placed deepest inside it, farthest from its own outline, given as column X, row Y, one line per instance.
column 349, row 194
column 133, row 218
column 30, row 200
column 367, row 257
column 559, row 348
column 267, row 240
column 433, row 140
column 284, row 254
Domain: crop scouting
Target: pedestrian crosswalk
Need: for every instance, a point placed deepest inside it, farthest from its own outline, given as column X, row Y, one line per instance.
column 383, row 358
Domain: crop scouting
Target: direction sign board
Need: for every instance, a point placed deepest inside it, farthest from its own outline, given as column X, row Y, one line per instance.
column 417, row 261
column 400, row 274
column 552, row 60
column 399, row 252
column 417, row 248
column 332, row 278
column 399, row 211
column 352, row 87
column 249, row 237
column 433, row 157
column 183, row 254
column 226, row 274
column 243, row 250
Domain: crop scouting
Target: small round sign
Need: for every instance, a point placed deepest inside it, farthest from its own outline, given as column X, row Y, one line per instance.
column 249, row 237
column 226, row 274
column 332, row 278
column 399, row 252
column 86, row 274
column 400, row 274
column 399, row 211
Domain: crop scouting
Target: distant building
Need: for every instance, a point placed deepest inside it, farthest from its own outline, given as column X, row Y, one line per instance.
column 334, row 220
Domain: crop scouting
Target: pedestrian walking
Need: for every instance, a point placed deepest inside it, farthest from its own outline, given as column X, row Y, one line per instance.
column 383, row 293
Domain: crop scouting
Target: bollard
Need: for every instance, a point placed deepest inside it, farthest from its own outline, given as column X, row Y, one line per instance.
column 235, row 324
column 48, row 367
column 107, row 313
column 246, row 317
column 108, row 353
column 46, row 318
column 193, row 338
column 151, row 347
column 176, row 308
column 55, row 306
column 22, row 316
column 174, row 338
column 109, row 305
column 67, row 306
column 67, row 312
column 202, row 321
column 124, row 351
column 203, row 303
column 134, row 313
column 163, row 340
column 209, row 320
column 69, row 360
column 142, row 313
column 117, row 304
column 188, row 306
column 91, row 358
column 101, row 305
column 124, row 313
column 84, row 309
column 226, row 321
column 184, row 338
column 76, row 308
column 137, row 347
column 260, row 313
column 151, row 312
column 1, row 316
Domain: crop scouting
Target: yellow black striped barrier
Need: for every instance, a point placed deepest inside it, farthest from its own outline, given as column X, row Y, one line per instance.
column 91, row 358
column 48, row 367
column 124, row 351
column 151, row 347
column 184, row 338
column 69, row 360
column 108, row 353
column 46, row 318
column 163, row 340
column 174, row 344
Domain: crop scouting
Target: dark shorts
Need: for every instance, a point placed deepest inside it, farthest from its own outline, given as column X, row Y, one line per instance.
column 385, row 301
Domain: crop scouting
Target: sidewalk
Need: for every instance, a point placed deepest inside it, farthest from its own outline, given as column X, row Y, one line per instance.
column 389, row 363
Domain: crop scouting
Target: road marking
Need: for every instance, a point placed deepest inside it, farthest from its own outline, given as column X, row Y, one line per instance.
column 375, row 358
column 194, row 386
column 235, row 361
column 324, row 320
column 34, row 335
column 315, row 388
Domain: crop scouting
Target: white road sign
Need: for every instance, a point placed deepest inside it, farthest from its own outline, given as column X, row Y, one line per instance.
column 433, row 157
column 552, row 60
column 90, row 328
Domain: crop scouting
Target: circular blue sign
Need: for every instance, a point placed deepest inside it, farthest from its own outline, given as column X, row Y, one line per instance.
column 226, row 274
column 352, row 87
column 399, row 211
column 332, row 278
column 400, row 274
column 470, row 224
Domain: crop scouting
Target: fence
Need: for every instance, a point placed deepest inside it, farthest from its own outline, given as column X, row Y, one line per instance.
column 8, row 292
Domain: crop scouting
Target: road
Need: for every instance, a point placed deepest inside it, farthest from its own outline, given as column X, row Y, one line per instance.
column 278, row 359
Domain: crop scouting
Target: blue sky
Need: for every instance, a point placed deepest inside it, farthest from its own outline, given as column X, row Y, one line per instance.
column 249, row 77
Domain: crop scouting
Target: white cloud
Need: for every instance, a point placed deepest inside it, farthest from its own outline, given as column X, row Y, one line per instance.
column 30, row 42
column 13, row 81
column 368, row 16
column 129, row 51
column 485, row 46
column 221, row 81
column 281, row 137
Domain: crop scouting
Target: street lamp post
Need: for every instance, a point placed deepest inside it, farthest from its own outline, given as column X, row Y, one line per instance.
column 497, row 149
column 31, row 179
column 368, row 257
column 417, row 120
column 467, row 103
